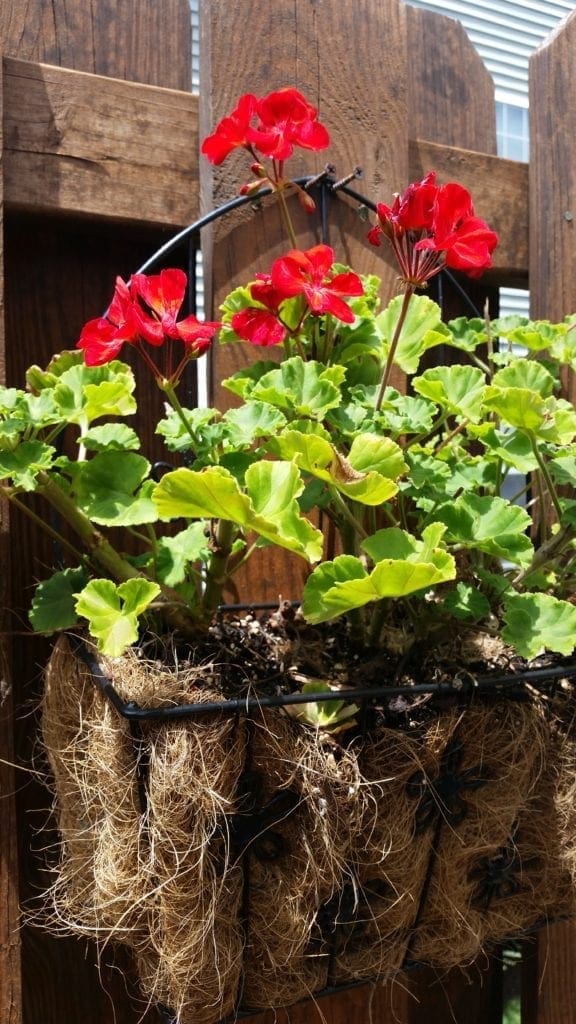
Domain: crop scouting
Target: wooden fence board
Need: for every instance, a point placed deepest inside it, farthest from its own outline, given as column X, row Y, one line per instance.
column 138, row 40
column 10, row 984
column 78, row 143
column 552, row 174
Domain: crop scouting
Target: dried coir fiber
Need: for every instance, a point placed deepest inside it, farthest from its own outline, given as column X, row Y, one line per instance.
column 265, row 860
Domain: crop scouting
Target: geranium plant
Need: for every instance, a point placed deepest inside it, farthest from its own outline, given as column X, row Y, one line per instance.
column 411, row 483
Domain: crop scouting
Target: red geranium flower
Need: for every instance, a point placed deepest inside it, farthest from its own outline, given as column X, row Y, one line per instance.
column 231, row 132
column 308, row 273
column 466, row 241
column 287, row 120
column 432, row 226
column 261, row 326
column 103, row 338
column 163, row 294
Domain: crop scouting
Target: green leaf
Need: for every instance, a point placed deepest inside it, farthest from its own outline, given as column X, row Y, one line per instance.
column 317, row 456
column 174, row 554
column 525, row 373
column 304, row 388
column 242, row 382
column 110, row 489
column 329, row 715
column 406, row 414
column 422, row 329
column 467, row 602
column 409, row 566
column 54, row 601
column 457, row 390
column 111, row 437
column 22, row 465
column 176, row 435
column 252, row 420
column 467, row 334
column 113, row 610
column 489, row 524
column 269, row 506
column 86, row 393
column 539, row 621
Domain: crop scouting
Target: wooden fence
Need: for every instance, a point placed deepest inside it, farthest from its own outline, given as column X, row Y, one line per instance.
column 100, row 162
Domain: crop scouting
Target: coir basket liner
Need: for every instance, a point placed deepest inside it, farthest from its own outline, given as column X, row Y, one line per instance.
column 247, row 863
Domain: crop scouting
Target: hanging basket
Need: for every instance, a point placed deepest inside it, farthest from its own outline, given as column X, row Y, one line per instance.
column 247, row 863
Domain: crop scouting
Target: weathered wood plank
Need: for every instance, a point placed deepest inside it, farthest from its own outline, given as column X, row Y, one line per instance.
column 550, row 988
column 85, row 145
column 553, row 174
column 139, row 40
column 10, row 983
column 100, row 147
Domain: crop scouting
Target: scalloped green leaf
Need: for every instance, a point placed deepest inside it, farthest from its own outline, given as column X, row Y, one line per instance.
column 22, row 465
column 467, row 602
column 536, row 622
column 422, row 329
column 174, row 554
column 489, row 524
column 251, row 421
column 113, row 611
column 303, row 388
column 269, row 506
column 111, row 437
column 113, row 490
column 525, row 373
column 339, row 586
column 457, row 390
column 54, row 601
column 317, row 456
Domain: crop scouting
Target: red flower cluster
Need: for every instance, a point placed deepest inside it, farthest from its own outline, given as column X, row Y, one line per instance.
column 272, row 126
column 432, row 226
column 307, row 273
column 145, row 309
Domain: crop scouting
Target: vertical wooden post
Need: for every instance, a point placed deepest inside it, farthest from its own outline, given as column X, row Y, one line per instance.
column 553, row 175
column 552, row 218
column 10, row 986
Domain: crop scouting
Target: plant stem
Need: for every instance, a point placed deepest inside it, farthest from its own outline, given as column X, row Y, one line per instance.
column 286, row 217
column 217, row 573
column 41, row 523
column 546, row 477
column 100, row 551
column 393, row 346
column 170, row 393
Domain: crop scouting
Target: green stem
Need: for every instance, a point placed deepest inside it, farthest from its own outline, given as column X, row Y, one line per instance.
column 41, row 523
column 287, row 218
column 170, row 393
column 100, row 551
column 106, row 558
column 377, row 621
column 546, row 477
column 393, row 346
column 346, row 513
column 217, row 572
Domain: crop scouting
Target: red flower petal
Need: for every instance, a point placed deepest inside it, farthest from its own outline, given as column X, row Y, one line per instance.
column 100, row 341
column 259, row 327
column 231, row 131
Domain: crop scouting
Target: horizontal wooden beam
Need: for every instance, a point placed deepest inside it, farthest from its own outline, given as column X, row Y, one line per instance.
column 86, row 145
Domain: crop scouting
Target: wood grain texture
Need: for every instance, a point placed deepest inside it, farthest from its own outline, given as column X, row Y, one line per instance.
column 89, row 146
column 10, row 980
column 99, row 147
column 450, row 90
column 550, row 985
column 139, row 40
column 553, row 174
column 60, row 273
